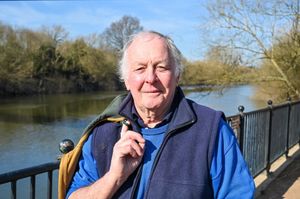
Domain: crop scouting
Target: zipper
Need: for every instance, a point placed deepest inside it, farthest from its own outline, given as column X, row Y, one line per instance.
column 135, row 182
column 160, row 151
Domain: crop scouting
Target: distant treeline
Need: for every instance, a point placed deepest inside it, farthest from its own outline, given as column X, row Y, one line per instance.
column 45, row 61
column 215, row 73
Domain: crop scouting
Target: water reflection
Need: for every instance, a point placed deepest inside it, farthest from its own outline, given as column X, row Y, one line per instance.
column 47, row 109
column 228, row 99
column 32, row 127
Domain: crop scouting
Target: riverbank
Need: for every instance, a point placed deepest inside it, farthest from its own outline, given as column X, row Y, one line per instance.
column 58, row 85
column 61, row 85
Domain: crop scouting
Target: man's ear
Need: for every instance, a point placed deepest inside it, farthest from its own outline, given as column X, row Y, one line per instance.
column 177, row 79
column 126, row 84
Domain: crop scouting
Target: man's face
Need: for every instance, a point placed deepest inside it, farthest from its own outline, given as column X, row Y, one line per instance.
column 150, row 74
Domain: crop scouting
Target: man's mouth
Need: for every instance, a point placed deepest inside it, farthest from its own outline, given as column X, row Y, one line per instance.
column 152, row 91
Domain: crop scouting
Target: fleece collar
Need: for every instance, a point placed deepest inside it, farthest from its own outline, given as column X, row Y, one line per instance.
column 180, row 113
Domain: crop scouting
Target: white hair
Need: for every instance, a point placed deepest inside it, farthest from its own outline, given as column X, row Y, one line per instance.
column 176, row 55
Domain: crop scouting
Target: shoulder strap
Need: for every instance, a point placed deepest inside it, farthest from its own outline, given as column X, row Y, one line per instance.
column 69, row 161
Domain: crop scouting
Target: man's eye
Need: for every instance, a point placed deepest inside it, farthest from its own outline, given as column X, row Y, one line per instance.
column 162, row 68
column 139, row 69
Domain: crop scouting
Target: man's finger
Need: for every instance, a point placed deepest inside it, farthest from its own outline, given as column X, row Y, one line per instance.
column 125, row 127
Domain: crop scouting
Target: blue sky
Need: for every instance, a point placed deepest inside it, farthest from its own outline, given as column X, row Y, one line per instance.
column 180, row 19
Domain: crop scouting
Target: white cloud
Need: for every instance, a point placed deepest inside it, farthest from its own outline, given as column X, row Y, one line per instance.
column 76, row 18
column 20, row 14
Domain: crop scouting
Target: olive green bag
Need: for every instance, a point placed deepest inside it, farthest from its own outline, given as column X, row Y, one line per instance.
column 69, row 161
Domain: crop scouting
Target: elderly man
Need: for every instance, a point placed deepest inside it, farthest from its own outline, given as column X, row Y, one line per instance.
column 170, row 147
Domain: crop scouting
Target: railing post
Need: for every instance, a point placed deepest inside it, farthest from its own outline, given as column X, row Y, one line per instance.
column 270, row 105
column 49, row 191
column 32, row 187
column 13, row 189
column 241, row 134
column 288, row 128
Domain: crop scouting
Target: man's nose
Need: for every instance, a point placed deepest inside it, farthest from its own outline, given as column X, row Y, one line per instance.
column 150, row 76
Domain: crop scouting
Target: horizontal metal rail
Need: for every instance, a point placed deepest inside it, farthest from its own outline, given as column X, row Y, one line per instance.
column 27, row 172
column 32, row 172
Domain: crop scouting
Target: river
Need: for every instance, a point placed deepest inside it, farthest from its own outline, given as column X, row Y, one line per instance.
column 32, row 127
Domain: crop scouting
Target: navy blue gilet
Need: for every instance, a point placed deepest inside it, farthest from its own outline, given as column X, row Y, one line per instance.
column 182, row 165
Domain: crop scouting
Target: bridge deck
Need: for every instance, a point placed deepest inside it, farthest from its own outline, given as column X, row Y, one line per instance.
column 284, row 182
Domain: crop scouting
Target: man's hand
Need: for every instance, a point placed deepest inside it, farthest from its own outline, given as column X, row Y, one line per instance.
column 127, row 154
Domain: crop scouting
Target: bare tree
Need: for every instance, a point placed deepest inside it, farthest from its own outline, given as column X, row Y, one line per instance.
column 224, row 55
column 253, row 27
column 116, row 35
column 57, row 34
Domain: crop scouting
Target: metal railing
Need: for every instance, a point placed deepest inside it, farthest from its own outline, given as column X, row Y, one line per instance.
column 264, row 135
column 31, row 172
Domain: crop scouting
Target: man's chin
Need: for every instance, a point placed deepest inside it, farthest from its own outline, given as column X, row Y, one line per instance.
column 152, row 105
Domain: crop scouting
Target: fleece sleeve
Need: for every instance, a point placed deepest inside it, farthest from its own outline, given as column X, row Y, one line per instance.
column 87, row 171
column 229, row 172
